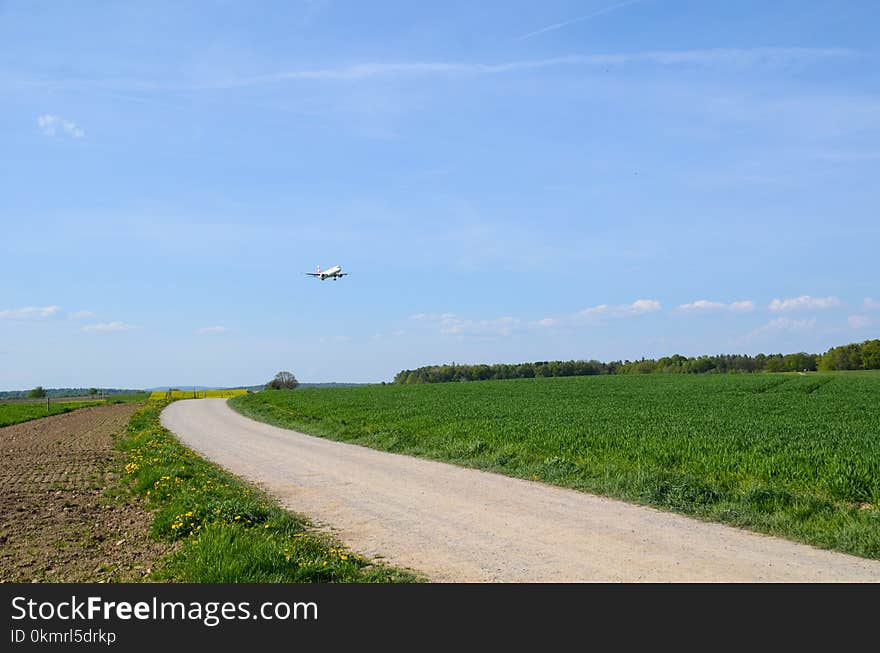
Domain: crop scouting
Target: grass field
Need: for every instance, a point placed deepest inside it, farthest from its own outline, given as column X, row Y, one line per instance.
column 226, row 530
column 197, row 394
column 792, row 455
column 14, row 412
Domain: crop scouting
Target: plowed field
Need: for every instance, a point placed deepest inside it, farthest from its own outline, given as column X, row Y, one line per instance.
column 57, row 523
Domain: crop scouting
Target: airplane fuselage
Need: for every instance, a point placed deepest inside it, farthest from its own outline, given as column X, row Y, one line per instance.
column 331, row 273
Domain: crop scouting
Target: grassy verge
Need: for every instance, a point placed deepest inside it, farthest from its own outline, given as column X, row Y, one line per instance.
column 789, row 455
column 225, row 530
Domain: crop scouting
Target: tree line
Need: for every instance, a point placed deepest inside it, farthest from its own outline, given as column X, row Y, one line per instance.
column 854, row 356
column 40, row 391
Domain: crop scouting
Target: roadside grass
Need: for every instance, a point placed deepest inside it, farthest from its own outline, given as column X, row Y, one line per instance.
column 15, row 413
column 788, row 455
column 225, row 530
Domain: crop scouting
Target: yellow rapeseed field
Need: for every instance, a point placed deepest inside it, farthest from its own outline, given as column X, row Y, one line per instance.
column 196, row 394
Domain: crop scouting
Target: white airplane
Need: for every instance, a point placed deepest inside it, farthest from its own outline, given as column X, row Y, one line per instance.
column 333, row 273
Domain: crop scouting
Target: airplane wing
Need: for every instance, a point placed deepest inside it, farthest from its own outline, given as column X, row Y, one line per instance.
column 312, row 274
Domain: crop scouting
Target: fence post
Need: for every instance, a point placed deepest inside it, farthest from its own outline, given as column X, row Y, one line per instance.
column 47, row 404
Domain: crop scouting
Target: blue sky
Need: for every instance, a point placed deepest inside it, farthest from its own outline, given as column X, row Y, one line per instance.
column 504, row 181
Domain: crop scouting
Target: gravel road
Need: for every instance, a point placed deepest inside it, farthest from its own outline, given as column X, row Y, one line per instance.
column 464, row 525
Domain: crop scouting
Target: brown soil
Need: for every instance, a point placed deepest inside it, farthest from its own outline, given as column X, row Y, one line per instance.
column 58, row 523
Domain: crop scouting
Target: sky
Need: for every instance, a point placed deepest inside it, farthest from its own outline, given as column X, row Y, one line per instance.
column 504, row 182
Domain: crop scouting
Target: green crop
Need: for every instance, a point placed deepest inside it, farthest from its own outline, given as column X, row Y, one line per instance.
column 787, row 454
column 15, row 412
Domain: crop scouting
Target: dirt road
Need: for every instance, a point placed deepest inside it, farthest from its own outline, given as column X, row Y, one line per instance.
column 457, row 524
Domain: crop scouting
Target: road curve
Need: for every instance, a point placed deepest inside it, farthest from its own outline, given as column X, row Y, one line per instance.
column 464, row 525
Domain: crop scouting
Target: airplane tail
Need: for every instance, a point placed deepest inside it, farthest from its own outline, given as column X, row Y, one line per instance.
column 319, row 269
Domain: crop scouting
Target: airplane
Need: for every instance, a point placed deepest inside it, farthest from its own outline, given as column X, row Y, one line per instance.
column 333, row 273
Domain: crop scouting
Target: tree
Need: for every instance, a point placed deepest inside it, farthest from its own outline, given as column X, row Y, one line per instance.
column 283, row 381
column 37, row 392
column 871, row 354
column 93, row 391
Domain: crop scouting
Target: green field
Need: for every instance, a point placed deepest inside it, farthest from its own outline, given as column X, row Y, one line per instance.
column 15, row 412
column 792, row 455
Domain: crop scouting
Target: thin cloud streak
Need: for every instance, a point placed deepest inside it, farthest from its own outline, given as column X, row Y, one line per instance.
column 29, row 313
column 719, row 57
column 709, row 57
column 579, row 19
column 705, row 305
column 109, row 326
column 782, row 324
column 452, row 324
column 211, row 329
column 602, row 311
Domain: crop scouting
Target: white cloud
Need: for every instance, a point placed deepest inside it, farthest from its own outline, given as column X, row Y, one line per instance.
column 109, row 326
column 29, row 312
column 211, row 329
column 860, row 321
column 741, row 307
column 600, row 312
column 784, row 324
column 803, row 302
column 638, row 307
column 50, row 124
column 705, row 305
column 871, row 304
column 452, row 324
column 80, row 315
